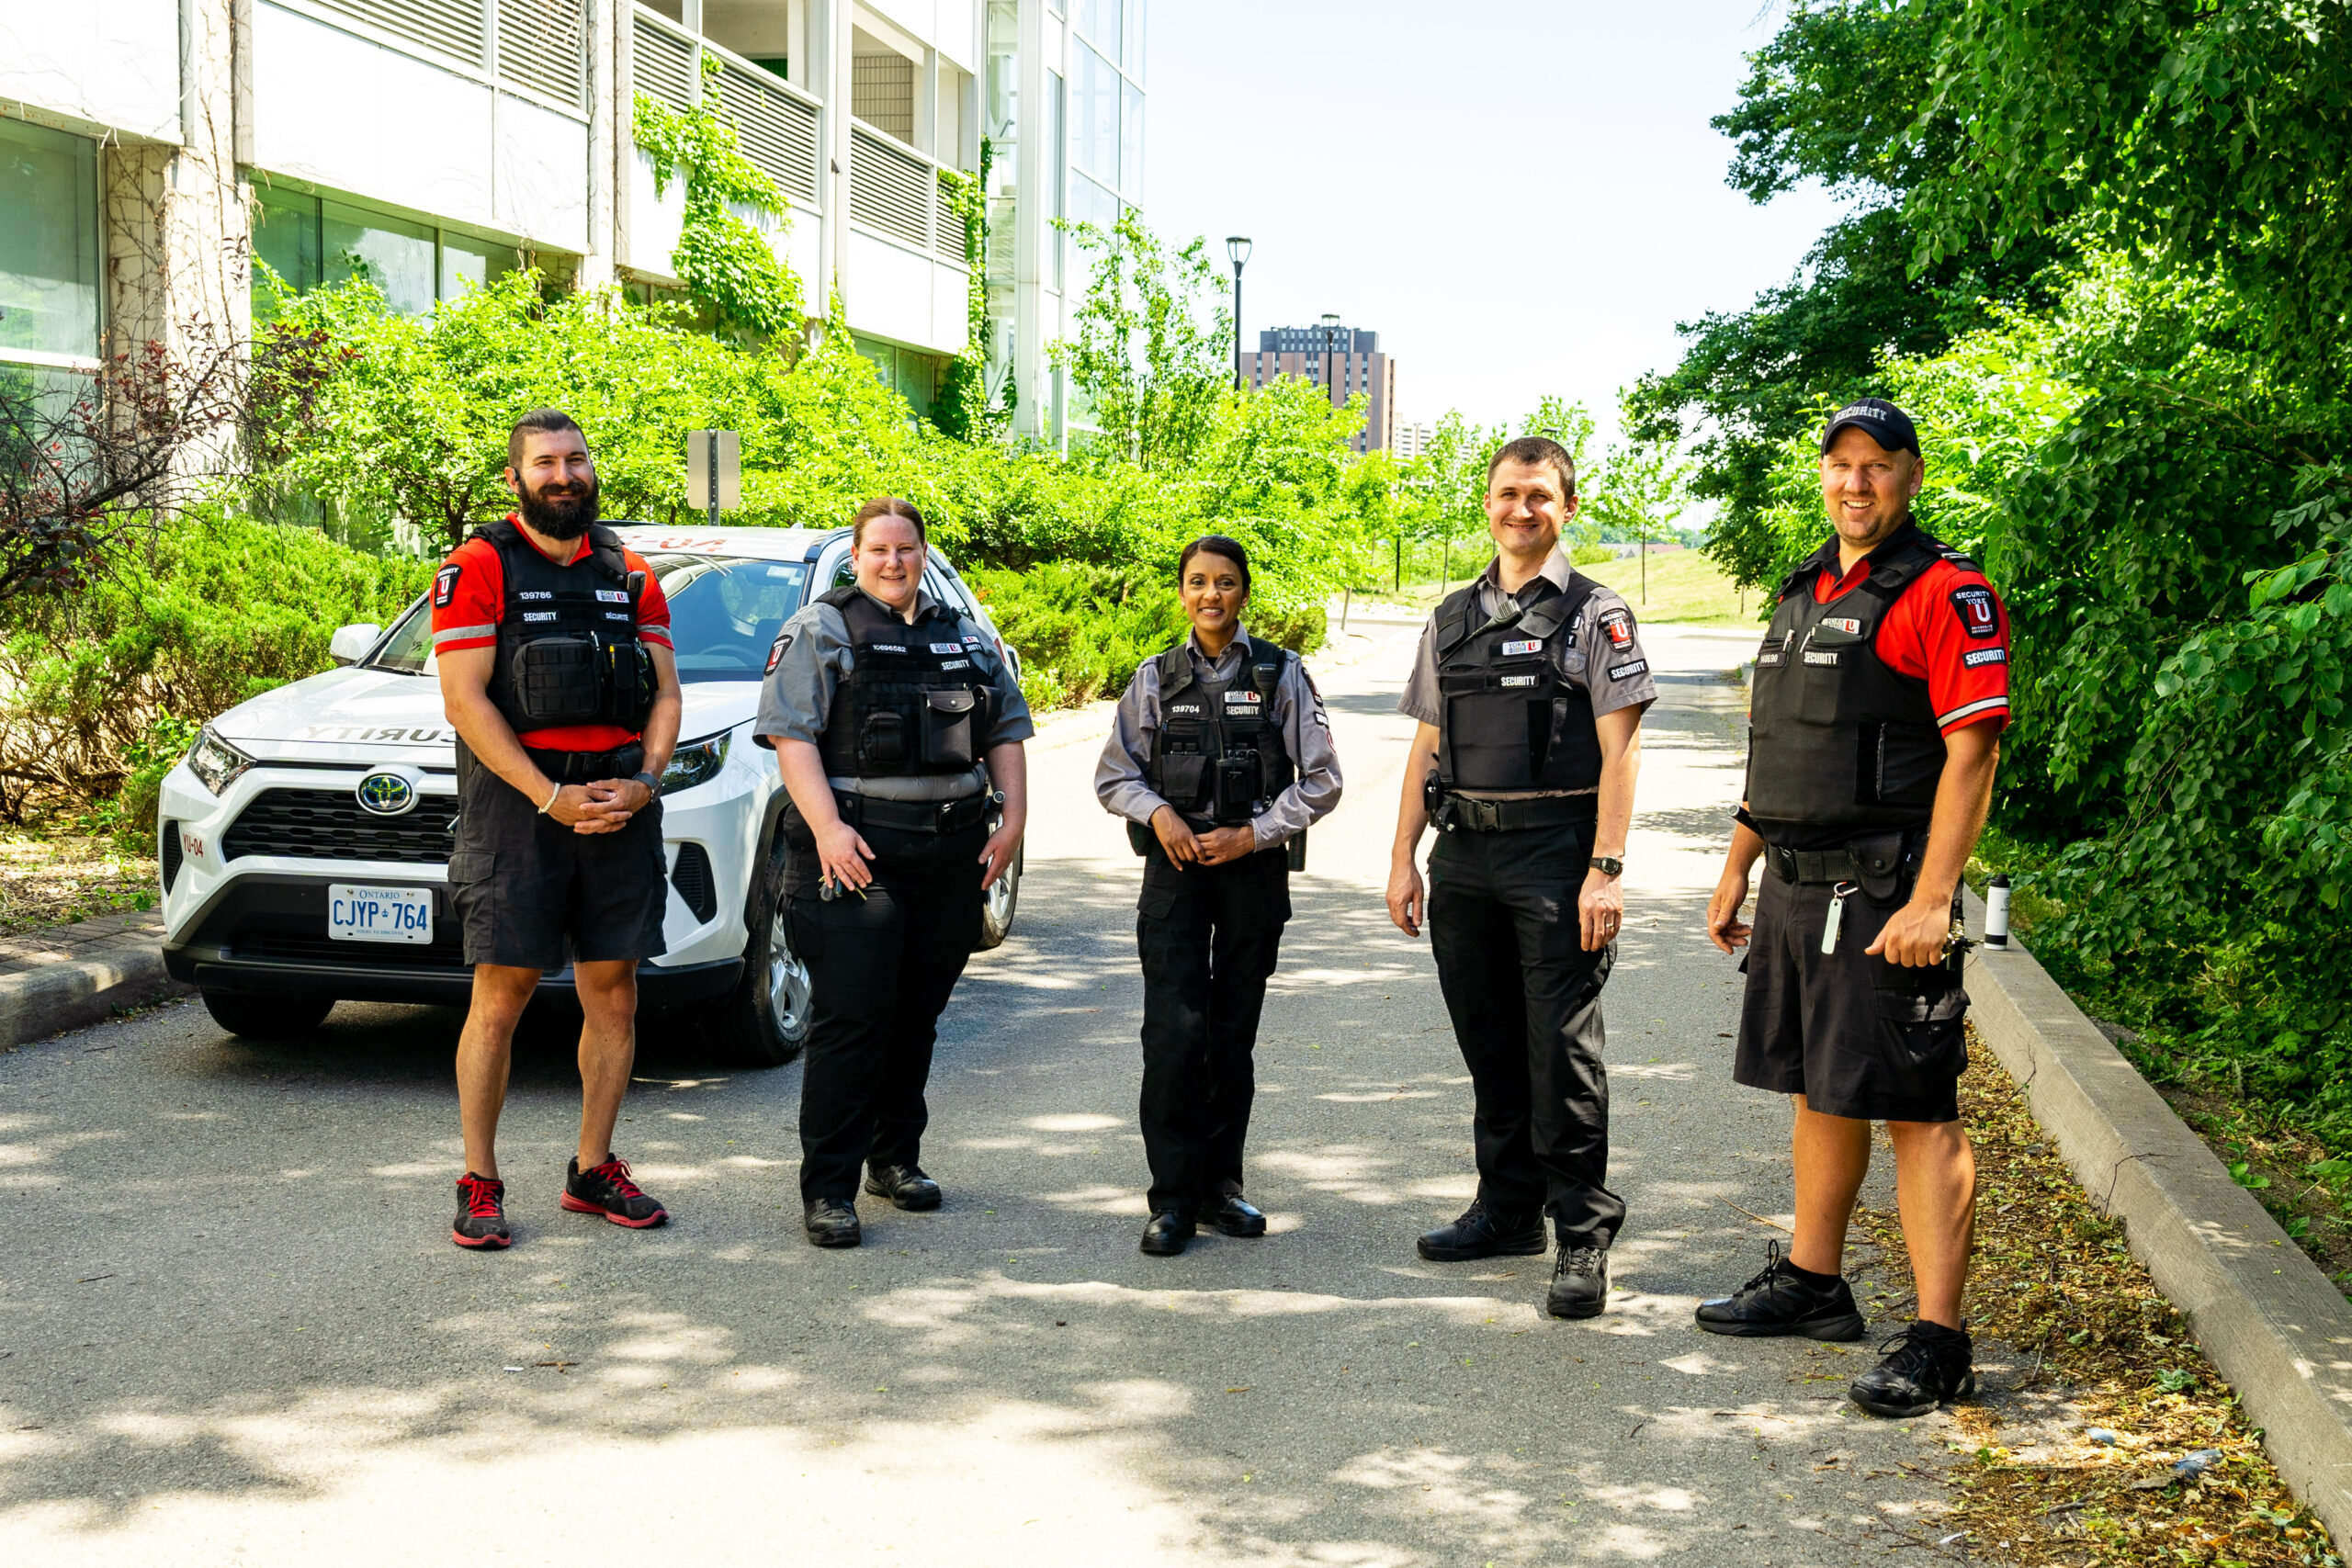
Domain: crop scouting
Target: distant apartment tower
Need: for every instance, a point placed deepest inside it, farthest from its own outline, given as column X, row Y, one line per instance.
column 1412, row 440
column 1344, row 360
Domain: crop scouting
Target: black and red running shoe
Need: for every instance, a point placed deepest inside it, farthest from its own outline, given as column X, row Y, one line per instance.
column 481, row 1214
column 606, row 1190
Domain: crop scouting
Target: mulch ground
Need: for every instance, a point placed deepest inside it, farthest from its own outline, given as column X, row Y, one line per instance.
column 2055, row 1281
column 55, row 881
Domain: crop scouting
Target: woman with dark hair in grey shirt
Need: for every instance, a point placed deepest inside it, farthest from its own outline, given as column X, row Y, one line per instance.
column 1219, row 758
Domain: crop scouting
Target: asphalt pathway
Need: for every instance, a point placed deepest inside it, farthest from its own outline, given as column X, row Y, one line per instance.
column 233, row 1329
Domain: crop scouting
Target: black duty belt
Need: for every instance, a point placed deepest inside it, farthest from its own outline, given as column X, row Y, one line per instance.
column 1460, row 811
column 588, row 767
column 1873, row 859
column 916, row 816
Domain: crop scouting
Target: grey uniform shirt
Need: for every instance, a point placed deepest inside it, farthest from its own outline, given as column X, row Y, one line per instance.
column 1601, row 654
column 1121, row 777
column 805, row 674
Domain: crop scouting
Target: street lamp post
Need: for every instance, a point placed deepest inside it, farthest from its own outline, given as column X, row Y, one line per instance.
column 1330, row 348
column 1237, row 248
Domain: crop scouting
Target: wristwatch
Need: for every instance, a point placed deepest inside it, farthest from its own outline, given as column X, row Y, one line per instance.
column 1609, row 866
column 652, row 786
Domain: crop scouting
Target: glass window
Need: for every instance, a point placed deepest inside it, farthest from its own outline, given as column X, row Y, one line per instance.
column 1131, row 35
column 726, row 611
column 1098, row 21
column 1094, row 118
column 286, row 235
column 49, row 243
column 390, row 253
column 465, row 260
column 1090, row 203
column 1131, row 143
column 1057, row 175
column 1003, row 97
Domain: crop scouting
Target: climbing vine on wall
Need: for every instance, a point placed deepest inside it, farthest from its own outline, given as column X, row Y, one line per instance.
column 962, row 407
column 725, row 262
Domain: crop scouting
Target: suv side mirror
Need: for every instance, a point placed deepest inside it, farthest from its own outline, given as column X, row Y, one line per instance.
column 350, row 644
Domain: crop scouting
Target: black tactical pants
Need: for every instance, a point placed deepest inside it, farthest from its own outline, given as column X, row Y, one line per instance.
column 880, row 971
column 1209, row 936
column 1525, row 998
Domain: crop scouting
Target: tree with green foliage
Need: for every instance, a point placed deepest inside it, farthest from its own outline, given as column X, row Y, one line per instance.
column 1641, row 489
column 1151, row 367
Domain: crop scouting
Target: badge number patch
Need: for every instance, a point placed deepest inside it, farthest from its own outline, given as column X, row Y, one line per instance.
column 1977, row 617
column 445, row 585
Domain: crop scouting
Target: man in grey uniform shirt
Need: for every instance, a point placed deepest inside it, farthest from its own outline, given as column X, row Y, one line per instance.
column 1530, row 687
column 1219, row 756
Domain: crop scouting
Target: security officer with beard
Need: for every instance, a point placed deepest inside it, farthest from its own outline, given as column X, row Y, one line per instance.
column 1219, row 758
column 1530, row 687
column 899, row 731
column 553, row 646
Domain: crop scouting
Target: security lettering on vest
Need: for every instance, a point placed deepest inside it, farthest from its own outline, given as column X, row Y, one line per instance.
column 1821, row 656
column 1980, row 655
column 1522, row 680
column 566, row 659
column 1628, row 672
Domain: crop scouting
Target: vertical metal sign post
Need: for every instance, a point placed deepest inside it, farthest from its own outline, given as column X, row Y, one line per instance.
column 713, row 471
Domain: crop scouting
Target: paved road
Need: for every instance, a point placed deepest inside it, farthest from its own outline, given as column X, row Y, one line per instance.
column 232, row 1330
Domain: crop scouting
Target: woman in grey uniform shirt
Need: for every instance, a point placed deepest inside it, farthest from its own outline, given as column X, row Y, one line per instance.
column 1219, row 756
column 897, row 729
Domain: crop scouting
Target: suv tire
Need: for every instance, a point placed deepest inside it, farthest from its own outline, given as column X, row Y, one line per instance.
column 764, row 1023
column 266, row 1017
column 999, row 903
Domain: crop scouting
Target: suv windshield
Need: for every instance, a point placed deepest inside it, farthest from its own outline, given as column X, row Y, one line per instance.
column 724, row 612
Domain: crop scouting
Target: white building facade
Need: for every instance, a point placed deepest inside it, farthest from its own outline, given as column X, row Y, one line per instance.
column 148, row 148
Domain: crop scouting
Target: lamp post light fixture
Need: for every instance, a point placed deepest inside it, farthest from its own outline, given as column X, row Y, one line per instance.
column 1237, row 249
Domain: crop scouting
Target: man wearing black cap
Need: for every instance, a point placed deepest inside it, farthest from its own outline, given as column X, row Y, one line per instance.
column 1881, row 692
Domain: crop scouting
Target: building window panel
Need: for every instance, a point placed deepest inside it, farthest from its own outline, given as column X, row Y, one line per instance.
column 1057, row 175
column 48, row 242
column 1094, row 124
column 1131, row 31
column 1098, row 23
column 882, row 94
column 1131, row 143
column 392, row 253
column 466, row 262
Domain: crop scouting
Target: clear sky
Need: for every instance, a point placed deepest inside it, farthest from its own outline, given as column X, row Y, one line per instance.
column 1520, row 196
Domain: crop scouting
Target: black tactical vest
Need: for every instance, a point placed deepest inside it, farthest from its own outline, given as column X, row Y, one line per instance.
column 1507, row 719
column 1218, row 753
column 1837, row 739
column 914, row 701
column 568, row 649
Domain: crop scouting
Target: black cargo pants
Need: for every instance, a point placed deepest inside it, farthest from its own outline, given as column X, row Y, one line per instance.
column 1525, row 999
column 1209, row 936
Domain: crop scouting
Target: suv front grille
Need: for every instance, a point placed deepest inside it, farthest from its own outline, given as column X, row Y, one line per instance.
column 327, row 824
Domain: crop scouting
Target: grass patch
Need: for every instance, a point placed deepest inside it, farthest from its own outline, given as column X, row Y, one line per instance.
column 2054, row 1277
column 1684, row 586
column 56, row 880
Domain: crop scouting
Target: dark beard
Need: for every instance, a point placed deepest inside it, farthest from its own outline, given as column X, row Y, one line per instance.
column 562, row 516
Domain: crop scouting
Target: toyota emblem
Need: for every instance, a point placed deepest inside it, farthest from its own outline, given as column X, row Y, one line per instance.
column 385, row 794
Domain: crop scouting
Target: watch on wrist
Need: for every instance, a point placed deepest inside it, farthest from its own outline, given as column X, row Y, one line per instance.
column 1609, row 866
column 653, row 784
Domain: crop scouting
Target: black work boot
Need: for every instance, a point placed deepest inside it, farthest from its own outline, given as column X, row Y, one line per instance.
column 1169, row 1233
column 1580, row 1282
column 1233, row 1215
column 1923, row 1366
column 1482, row 1232
column 1779, row 1301
column 904, row 1185
column 830, row 1222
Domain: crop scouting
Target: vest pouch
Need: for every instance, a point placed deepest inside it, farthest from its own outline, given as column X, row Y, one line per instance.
column 1237, row 789
column 1183, row 774
column 948, row 721
column 1493, row 737
column 629, row 684
column 1819, row 667
column 555, row 680
column 882, row 739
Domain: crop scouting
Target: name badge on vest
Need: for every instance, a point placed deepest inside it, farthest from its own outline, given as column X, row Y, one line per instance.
column 1522, row 680
column 889, row 647
column 1820, row 656
column 1184, row 708
column 1513, row 650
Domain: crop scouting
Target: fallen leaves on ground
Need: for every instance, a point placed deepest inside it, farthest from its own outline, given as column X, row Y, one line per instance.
column 50, row 882
column 2054, row 1279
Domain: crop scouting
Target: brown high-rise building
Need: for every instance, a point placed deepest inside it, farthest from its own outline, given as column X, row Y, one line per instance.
column 1342, row 360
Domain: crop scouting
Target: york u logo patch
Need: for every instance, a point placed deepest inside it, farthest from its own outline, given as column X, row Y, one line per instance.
column 1619, row 627
column 613, row 595
column 1245, row 697
column 445, row 585
column 1974, row 607
column 1513, row 650
column 1846, row 623
column 947, row 648
column 775, row 649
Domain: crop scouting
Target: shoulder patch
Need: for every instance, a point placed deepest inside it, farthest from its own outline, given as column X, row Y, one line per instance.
column 444, row 584
column 775, row 649
column 1974, row 604
column 1618, row 626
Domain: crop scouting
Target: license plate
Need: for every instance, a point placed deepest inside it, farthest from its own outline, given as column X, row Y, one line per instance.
column 378, row 914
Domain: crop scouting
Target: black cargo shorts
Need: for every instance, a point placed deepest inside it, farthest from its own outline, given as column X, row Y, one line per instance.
column 1856, row 1035
column 532, row 894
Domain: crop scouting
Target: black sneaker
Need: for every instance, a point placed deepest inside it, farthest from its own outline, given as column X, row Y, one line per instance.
column 481, row 1214
column 1923, row 1366
column 904, row 1185
column 1777, row 1302
column 606, row 1190
column 1579, row 1283
column 1482, row 1232
column 829, row 1221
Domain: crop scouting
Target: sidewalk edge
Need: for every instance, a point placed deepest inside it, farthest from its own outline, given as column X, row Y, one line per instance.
column 75, row 993
column 2274, row 1325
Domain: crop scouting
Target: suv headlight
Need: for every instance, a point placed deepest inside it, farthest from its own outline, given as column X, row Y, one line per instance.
column 696, row 762
column 215, row 761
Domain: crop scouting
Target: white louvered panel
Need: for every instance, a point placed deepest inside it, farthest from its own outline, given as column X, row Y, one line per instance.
column 453, row 27
column 776, row 130
column 665, row 65
column 543, row 45
column 891, row 191
column 951, row 227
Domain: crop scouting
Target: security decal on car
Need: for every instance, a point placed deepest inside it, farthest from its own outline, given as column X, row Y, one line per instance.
column 444, row 584
column 1975, row 606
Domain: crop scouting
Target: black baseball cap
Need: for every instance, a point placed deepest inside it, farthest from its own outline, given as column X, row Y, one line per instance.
column 1886, row 424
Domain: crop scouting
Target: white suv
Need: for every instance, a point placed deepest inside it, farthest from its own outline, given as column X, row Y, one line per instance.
column 305, row 804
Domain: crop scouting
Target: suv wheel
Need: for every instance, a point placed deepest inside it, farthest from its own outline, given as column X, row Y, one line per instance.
column 266, row 1017
column 1000, row 900
column 764, row 1023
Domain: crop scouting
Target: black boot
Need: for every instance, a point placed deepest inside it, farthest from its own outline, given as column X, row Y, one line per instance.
column 1924, row 1365
column 904, row 1185
column 1482, row 1232
column 831, row 1223
column 1580, row 1282
column 1168, row 1233
column 1233, row 1215
column 1778, row 1301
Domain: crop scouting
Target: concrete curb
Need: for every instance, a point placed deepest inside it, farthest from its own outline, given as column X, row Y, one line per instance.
column 2272, row 1322
column 74, row 993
